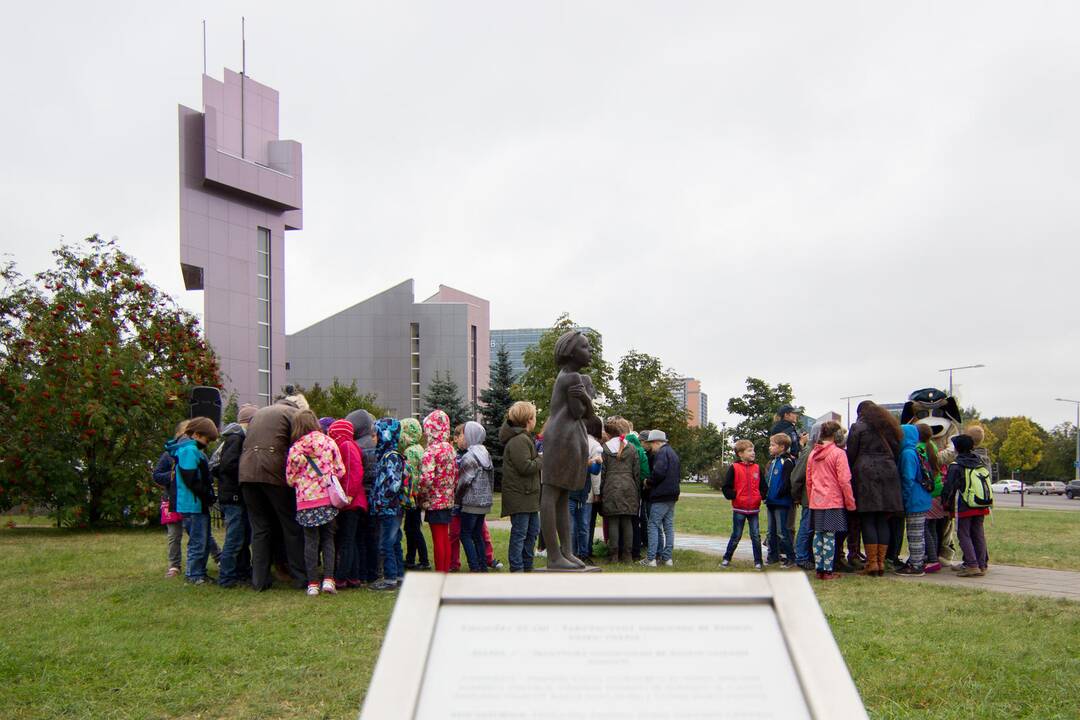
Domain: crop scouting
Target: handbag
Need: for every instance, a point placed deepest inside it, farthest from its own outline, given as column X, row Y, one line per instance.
column 338, row 498
column 167, row 517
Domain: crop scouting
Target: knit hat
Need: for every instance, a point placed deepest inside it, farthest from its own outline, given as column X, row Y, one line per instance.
column 963, row 443
column 325, row 423
column 245, row 413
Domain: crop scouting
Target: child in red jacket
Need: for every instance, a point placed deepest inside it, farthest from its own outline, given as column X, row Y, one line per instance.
column 744, row 486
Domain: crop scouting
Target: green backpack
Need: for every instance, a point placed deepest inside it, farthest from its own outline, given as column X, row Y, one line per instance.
column 977, row 492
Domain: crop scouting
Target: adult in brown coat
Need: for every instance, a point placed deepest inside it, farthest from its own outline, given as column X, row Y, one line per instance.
column 872, row 448
column 271, row 503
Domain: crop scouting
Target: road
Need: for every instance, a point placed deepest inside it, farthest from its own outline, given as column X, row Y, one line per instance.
column 1037, row 502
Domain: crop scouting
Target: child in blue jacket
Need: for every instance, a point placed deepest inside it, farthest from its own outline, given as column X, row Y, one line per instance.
column 778, row 500
column 917, row 502
column 195, row 493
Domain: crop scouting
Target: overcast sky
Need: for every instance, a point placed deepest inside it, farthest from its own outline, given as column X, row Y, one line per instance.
column 843, row 196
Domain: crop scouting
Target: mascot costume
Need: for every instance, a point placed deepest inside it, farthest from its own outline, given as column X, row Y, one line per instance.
column 939, row 411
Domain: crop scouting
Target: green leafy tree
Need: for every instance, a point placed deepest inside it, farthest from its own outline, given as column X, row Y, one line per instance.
column 538, row 380
column 339, row 399
column 95, row 368
column 1022, row 448
column 1059, row 453
column 702, row 450
column 757, row 406
column 495, row 401
column 443, row 394
column 645, row 397
column 231, row 410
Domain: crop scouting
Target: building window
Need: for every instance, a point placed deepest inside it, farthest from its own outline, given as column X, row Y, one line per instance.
column 414, row 339
column 262, row 265
column 472, row 370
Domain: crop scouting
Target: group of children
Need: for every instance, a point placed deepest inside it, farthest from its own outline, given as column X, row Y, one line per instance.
column 819, row 479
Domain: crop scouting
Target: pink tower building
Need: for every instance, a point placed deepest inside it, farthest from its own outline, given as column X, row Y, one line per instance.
column 240, row 190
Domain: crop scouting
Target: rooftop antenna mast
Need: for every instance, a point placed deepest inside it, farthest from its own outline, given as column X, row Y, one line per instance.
column 243, row 75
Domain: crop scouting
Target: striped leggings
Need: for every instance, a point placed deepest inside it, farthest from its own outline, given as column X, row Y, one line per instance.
column 916, row 537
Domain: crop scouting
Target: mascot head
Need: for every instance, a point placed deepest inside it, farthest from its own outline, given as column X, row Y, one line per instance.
column 934, row 408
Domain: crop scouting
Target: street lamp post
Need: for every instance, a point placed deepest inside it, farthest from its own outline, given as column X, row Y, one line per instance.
column 1076, row 465
column 849, row 398
column 961, row 367
column 723, row 442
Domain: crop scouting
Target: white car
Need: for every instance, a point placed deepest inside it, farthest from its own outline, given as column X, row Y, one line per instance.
column 1007, row 486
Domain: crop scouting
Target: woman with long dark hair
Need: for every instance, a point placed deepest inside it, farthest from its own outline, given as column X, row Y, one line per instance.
column 873, row 448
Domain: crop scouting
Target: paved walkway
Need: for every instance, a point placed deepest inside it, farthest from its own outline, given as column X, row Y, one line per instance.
column 1000, row 578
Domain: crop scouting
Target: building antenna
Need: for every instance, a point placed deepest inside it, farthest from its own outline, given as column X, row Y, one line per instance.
column 204, row 46
column 243, row 74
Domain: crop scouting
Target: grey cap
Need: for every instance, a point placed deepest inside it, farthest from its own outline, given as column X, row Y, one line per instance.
column 657, row 436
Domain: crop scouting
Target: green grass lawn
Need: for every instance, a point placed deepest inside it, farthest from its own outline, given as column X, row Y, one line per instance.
column 91, row 629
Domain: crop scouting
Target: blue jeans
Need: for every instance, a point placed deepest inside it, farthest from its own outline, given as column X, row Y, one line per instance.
column 779, row 535
column 803, row 539
column 472, row 539
column 390, row 546
column 235, row 564
column 661, row 520
column 198, row 546
column 524, row 527
column 738, row 522
column 579, row 527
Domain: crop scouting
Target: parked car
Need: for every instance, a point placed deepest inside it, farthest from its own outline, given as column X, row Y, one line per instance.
column 1046, row 487
column 1007, row 486
column 1072, row 490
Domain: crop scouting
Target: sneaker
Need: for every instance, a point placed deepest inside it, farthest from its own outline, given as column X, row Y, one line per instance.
column 970, row 572
column 669, row 563
column 829, row 576
column 772, row 561
column 788, row 565
column 329, row 586
column 312, row 590
column 807, row 565
column 172, row 572
column 423, row 567
column 957, row 567
column 932, row 568
column 496, row 566
column 759, row 567
column 383, row 585
column 725, row 563
column 648, row 563
column 910, row 571
column 200, row 581
column 541, row 553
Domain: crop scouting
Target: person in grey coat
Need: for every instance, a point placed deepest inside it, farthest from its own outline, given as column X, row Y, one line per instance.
column 475, row 490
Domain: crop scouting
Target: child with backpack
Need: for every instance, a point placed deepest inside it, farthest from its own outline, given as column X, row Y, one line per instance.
column 195, row 493
column 744, row 487
column 967, row 495
column 416, row 552
column 314, row 459
column 165, row 477
column 915, row 485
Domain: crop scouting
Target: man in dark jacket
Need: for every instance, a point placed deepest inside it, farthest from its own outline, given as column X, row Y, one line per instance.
column 789, row 415
column 663, row 489
column 235, row 562
column 269, row 500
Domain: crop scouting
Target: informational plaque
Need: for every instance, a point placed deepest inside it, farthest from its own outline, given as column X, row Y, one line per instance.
column 614, row 646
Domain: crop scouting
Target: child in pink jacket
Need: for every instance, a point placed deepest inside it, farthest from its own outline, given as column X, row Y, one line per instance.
column 828, row 487
column 313, row 459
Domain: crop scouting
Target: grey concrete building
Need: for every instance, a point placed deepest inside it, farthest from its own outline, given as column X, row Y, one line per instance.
column 392, row 346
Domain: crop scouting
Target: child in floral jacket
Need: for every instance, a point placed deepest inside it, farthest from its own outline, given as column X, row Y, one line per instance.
column 313, row 459
column 438, row 482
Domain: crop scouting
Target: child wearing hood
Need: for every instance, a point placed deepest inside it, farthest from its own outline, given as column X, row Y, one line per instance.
column 386, row 499
column 917, row 502
column 367, row 527
column 195, row 493
column 313, row 459
column 413, row 451
column 828, row 485
column 347, row 569
column 438, row 482
column 475, row 487
column 165, row 476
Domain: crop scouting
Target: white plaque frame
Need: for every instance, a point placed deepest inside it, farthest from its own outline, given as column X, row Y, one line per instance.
column 825, row 682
